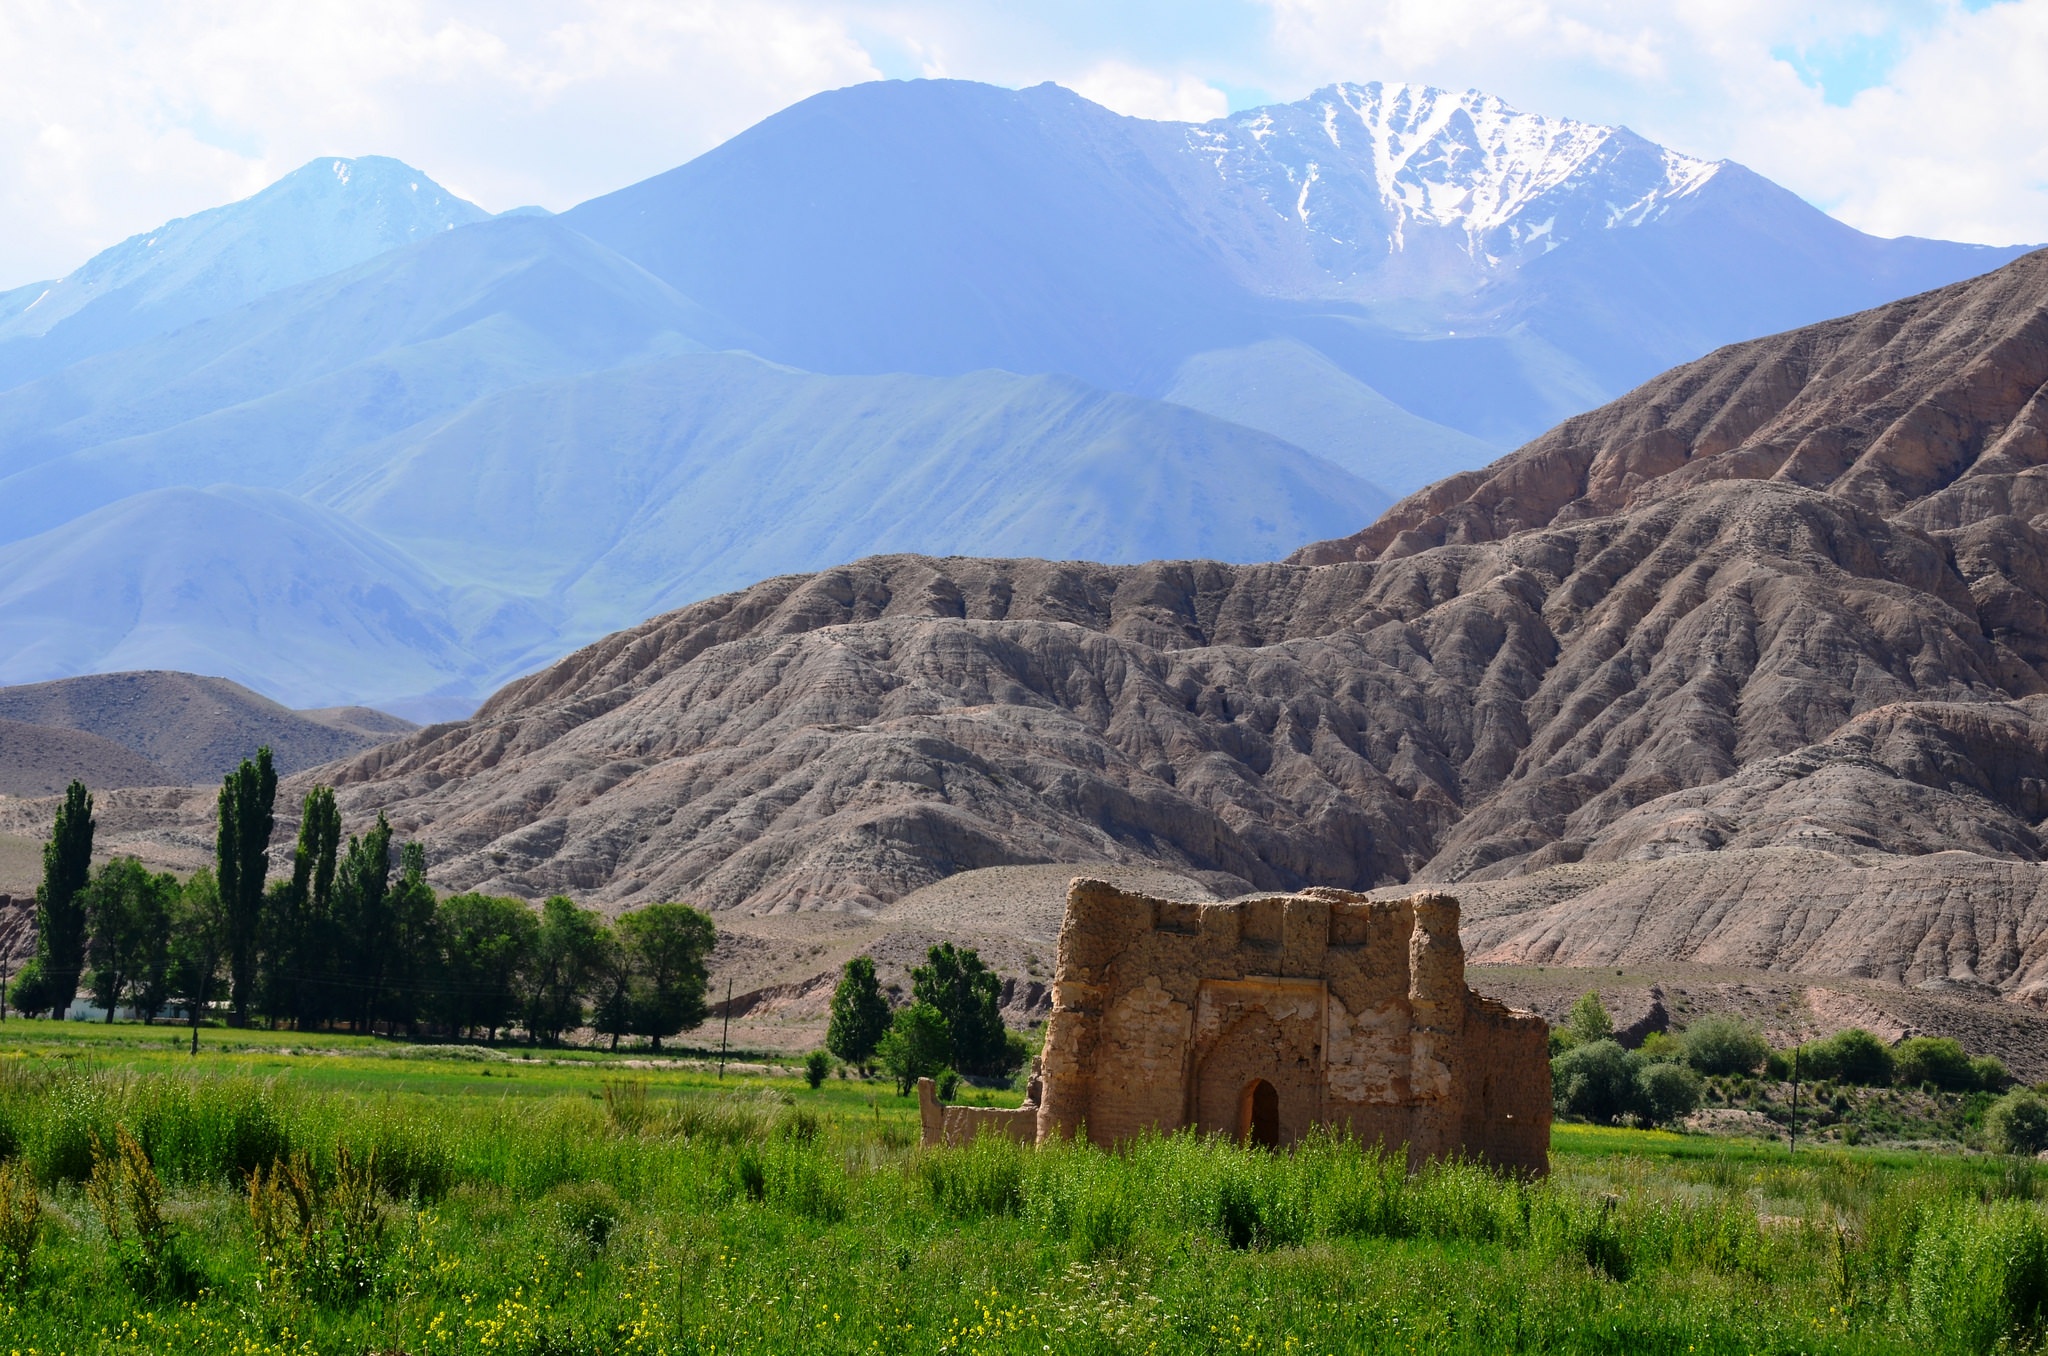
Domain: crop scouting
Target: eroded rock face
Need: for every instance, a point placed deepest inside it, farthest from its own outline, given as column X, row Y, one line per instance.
column 1793, row 596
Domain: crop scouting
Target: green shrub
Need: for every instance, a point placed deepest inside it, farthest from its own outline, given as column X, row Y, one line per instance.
column 816, row 1065
column 590, row 1211
column 1979, row 1274
column 1990, row 1073
column 128, row 1196
column 31, row 991
column 1933, row 1059
column 1720, row 1044
column 981, row 1179
column 915, row 1046
column 1852, row 1055
column 2017, row 1123
column 1661, row 1046
column 1667, row 1093
column 1596, row 1082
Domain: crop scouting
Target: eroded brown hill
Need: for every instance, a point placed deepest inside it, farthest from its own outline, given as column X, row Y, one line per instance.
column 191, row 728
column 1792, row 598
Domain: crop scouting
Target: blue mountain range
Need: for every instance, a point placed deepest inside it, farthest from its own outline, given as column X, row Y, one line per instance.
column 355, row 440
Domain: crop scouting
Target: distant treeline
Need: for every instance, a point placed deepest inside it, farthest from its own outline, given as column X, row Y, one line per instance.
column 346, row 940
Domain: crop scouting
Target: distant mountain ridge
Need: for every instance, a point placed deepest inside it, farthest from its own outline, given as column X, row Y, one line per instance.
column 432, row 450
column 317, row 220
column 164, row 729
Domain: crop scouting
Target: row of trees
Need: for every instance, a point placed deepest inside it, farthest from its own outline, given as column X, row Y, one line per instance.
column 1594, row 1077
column 346, row 939
column 953, row 1021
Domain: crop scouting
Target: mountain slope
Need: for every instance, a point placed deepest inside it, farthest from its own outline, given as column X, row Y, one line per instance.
column 322, row 218
column 259, row 395
column 1610, row 666
column 260, row 587
column 182, row 728
column 720, row 469
column 42, row 760
column 1288, row 389
column 1931, row 404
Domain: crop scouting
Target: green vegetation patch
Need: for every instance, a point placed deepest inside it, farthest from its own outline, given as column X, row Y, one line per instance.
column 218, row 1208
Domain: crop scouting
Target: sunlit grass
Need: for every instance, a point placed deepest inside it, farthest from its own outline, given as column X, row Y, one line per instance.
column 597, row 1207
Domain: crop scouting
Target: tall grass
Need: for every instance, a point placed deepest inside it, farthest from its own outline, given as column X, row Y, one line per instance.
column 630, row 1220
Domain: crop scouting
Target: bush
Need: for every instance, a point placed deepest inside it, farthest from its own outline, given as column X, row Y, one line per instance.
column 1933, row 1059
column 1721, row 1044
column 816, row 1065
column 21, row 1219
column 1978, row 1279
column 1667, row 1093
column 984, row 1177
column 1990, row 1073
column 128, row 1196
column 1662, row 1045
column 1849, row 1056
column 2017, row 1123
column 31, row 991
column 590, row 1211
column 1596, row 1081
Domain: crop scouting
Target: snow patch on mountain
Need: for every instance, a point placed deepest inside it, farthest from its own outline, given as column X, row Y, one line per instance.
column 1376, row 170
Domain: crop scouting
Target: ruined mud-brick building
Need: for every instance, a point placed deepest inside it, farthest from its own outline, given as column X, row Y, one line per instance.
column 1261, row 1018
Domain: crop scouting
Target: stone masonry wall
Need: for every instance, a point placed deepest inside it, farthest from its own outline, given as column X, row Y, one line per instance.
column 1261, row 1018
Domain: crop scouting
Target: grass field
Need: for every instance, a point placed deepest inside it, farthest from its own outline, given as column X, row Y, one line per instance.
column 421, row 1201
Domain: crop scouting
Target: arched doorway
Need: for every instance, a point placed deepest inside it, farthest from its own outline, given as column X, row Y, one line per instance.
column 1258, row 1118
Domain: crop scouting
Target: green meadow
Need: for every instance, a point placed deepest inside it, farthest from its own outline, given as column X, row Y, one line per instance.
column 292, row 1193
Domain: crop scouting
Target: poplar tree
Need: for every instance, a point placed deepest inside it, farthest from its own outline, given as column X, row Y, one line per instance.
column 241, row 862
column 362, row 899
column 299, row 945
column 414, row 950
column 60, row 913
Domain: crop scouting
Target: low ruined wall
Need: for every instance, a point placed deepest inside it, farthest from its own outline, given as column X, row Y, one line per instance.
column 957, row 1125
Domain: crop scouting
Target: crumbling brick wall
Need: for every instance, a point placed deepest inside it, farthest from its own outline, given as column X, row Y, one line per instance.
column 1261, row 1018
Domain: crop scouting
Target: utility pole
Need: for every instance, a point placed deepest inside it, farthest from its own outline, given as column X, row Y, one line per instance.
column 1795, row 1099
column 726, row 1029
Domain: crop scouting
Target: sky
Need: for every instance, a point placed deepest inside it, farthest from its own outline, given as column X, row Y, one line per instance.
column 1923, row 117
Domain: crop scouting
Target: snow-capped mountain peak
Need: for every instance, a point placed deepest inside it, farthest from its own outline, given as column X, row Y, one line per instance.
column 1380, row 169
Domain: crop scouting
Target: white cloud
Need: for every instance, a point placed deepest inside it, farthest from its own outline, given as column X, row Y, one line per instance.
column 1138, row 93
